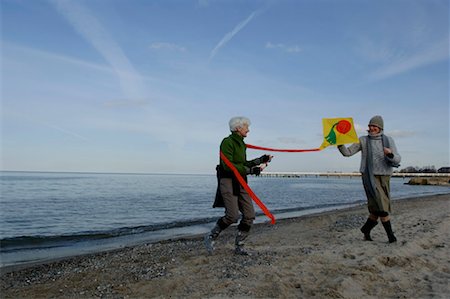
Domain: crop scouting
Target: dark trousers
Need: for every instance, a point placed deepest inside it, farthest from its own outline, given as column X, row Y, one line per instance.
column 236, row 204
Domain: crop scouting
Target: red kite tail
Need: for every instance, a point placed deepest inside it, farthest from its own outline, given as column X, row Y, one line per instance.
column 247, row 188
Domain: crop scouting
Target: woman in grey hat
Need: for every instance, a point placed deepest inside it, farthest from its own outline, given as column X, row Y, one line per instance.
column 378, row 156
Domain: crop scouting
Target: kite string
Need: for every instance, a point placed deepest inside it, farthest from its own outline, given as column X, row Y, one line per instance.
column 245, row 185
column 247, row 188
column 282, row 150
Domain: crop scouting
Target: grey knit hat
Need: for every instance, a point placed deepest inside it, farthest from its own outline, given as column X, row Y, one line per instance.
column 377, row 120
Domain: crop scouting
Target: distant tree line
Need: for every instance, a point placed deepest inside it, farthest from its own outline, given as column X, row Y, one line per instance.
column 425, row 169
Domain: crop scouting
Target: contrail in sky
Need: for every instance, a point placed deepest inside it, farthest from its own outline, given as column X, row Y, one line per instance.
column 231, row 34
column 65, row 131
column 92, row 30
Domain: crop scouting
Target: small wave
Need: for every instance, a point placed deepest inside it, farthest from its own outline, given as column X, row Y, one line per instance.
column 315, row 207
column 46, row 242
column 55, row 241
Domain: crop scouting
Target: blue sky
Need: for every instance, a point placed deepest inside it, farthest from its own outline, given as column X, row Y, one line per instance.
column 149, row 86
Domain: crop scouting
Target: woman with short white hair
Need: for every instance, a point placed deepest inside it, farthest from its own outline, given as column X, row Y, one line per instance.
column 230, row 193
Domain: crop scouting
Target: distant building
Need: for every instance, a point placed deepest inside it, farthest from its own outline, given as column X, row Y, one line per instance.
column 444, row 170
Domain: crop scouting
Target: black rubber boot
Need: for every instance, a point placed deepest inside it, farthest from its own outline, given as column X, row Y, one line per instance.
column 388, row 229
column 240, row 242
column 367, row 227
column 211, row 237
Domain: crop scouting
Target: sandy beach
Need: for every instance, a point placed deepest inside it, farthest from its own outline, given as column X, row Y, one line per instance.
column 317, row 256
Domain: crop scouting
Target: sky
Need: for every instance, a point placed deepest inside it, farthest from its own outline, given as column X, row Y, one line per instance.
column 147, row 86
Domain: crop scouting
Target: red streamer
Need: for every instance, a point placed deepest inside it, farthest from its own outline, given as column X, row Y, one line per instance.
column 282, row 150
column 247, row 188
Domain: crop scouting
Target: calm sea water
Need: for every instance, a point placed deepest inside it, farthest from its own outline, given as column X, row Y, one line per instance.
column 71, row 212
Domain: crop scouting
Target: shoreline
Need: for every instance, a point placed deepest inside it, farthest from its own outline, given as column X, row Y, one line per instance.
column 58, row 251
column 164, row 235
column 312, row 255
column 36, row 256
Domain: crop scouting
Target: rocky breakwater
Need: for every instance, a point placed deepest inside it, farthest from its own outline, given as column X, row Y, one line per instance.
column 436, row 181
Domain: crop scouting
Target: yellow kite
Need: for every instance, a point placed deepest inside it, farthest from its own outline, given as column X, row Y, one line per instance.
column 337, row 131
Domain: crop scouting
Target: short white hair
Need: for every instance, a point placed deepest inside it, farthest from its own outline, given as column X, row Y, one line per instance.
column 238, row 122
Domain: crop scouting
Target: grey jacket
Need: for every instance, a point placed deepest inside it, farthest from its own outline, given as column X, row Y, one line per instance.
column 380, row 166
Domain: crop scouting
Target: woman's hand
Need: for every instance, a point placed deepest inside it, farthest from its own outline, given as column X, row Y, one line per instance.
column 266, row 158
column 388, row 152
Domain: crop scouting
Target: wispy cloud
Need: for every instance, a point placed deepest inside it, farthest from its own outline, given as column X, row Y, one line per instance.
column 362, row 130
column 402, row 134
column 62, row 130
column 57, row 57
column 438, row 51
column 204, row 3
column 284, row 48
column 167, row 46
column 290, row 140
column 85, row 23
column 125, row 103
column 40, row 122
column 232, row 33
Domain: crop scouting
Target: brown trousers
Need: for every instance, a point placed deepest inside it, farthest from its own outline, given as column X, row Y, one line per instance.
column 235, row 204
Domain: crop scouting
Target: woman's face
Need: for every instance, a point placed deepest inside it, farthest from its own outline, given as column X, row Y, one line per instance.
column 374, row 130
column 243, row 131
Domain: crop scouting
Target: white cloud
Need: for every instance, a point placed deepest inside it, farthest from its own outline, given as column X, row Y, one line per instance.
column 53, row 58
column 401, row 134
column 438, row 51
column 284, row 48
column 40, row 122
column 204, row 3
column 167, row 46
column 290, row 140
column 126, row 103
column 56, row 57
column 92, row 30
column 362, row 130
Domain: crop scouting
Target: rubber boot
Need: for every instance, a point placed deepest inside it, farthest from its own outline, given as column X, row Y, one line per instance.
column 367, row 227
column 211, row 237
column 388, row 229
column 240, row 243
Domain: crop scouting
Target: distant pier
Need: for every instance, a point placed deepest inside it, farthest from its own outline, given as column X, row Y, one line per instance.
column 344, row 174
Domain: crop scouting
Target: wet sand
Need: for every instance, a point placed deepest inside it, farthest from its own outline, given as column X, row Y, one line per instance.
column 316, row 256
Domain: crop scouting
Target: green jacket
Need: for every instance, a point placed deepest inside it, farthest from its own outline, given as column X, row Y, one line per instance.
column 234, row 148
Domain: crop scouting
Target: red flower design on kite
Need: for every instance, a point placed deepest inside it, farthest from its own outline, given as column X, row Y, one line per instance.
column 343, row 127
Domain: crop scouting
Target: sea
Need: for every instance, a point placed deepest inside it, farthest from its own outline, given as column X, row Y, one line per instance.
column 48, row 215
